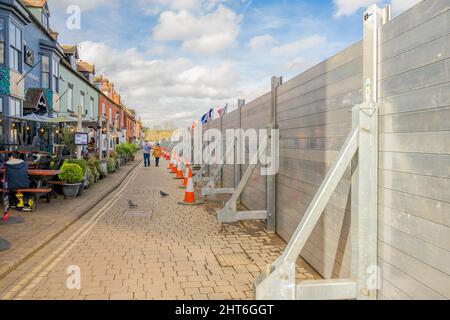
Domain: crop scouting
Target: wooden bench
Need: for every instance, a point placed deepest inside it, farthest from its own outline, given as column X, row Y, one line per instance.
column 34, row 191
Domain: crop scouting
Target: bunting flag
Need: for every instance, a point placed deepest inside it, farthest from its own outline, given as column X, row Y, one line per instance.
column 222, row 111
column 204, row 119
column 208, row 116
column 211, row 114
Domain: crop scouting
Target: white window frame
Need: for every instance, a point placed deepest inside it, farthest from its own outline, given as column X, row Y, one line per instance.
column 55, row 75
column 45, row 67
column 82, row 97
column 91, row 107
column 70, row 97
column 15, row 47
column 15, row 107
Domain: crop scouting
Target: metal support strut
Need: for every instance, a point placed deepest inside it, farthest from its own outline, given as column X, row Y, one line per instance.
column 229, row 213
column 210, row 188
column 279, row 280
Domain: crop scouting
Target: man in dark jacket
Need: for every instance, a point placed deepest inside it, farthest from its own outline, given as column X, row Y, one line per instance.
column 17, row 177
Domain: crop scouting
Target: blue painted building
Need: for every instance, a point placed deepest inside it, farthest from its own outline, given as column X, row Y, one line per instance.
column 29, row 70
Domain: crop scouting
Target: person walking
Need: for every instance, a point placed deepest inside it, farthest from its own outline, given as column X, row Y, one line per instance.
column 147, row 153
column 157, row 154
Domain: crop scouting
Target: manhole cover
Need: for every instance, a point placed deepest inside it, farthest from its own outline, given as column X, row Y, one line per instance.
column 231, row 260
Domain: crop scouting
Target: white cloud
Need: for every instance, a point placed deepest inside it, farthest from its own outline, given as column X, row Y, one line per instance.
column 350, row 7
column 292, row 49
column 205, row 34
column 83, row 4
column 155, row 7
column 260, row 43
column 164, row 89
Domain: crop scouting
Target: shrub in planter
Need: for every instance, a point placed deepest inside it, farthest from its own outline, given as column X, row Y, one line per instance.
column 100, row 169
column 72, row 176
column 93, row 167
column 90, row 176
column 83, row 164
column 111, row 165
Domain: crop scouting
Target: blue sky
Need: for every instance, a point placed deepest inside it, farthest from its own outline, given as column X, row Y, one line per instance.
column 174, row 59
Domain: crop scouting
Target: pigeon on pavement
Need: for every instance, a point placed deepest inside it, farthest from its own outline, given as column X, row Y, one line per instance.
column 163, row 194
column 131, row 205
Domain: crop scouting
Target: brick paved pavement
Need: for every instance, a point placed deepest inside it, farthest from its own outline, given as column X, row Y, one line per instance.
column 50, row 219
column 158, row 251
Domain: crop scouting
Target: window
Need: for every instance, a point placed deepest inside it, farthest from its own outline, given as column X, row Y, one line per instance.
column 2, row 41
column 15, row 49
column 82, row 101
column 91, row 107
column 55, row 73
column 15, row 108
column 110, row 116
column 45, row 72
column 70, row 97
column 103, row 109
column 45, row 20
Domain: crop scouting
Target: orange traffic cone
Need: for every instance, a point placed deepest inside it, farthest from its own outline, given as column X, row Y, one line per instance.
column 189, row 196
column 170, row 166
column 174, row 166
column 187, row 175
column 180, row 171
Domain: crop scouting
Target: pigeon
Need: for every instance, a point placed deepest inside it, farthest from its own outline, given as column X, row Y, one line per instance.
column 163, row 194
column 131, row 205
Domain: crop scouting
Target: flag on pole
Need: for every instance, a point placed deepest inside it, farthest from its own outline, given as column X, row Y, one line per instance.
column 222, row 111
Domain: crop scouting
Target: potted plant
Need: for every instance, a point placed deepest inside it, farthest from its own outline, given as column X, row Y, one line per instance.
column 72, row 176
column 90, row 177
column 111, row 165
column 91, row 164
column 101, row 168
column 82, row 163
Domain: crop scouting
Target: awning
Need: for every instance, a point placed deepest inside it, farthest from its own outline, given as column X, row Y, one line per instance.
column 33, row 117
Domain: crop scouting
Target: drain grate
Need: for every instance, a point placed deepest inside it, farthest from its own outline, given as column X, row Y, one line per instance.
column 231, row 260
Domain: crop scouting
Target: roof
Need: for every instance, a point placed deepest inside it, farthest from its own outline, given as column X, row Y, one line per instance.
column 68, row 49
column 83, row 66
column 54, row 34
column 35, row 3
column 33, row 100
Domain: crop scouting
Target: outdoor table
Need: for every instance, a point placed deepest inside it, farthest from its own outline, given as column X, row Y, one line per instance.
column 39, row 176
